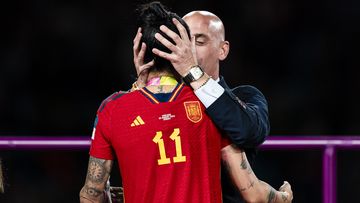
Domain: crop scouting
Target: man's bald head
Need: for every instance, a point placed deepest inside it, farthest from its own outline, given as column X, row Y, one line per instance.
column 209, row 33
column 215, row 25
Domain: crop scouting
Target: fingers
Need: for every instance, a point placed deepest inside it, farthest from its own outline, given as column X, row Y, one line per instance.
column 165, row 41
column 162, row 54
column 183, row 33
column 193, row 47
column 149, row 64
column 286, row 189
column 285, row 185
column 174, row 36
column 143, row 70
column 140, row 55
column 136, row 41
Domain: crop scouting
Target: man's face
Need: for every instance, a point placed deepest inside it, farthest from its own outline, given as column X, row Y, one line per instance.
column 207, row 41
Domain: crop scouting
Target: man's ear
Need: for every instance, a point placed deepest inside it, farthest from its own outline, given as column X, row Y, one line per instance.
column 224, row 50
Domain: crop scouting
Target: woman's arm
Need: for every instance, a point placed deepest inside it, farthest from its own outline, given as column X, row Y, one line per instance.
column 251, row 188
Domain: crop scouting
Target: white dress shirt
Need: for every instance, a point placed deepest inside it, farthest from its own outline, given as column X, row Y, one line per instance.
column 209, row 92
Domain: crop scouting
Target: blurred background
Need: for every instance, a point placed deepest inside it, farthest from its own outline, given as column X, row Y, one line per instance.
column 59, row 59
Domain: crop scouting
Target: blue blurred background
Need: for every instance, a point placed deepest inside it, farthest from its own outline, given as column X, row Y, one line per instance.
column 59, row 59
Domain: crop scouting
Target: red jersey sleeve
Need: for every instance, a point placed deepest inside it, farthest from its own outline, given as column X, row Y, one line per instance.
column 100, row 141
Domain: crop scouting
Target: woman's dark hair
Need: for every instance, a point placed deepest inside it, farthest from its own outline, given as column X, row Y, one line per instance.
column 151, row 17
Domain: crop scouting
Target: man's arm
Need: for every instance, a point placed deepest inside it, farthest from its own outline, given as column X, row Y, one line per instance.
column 97, row 175
column 251, row 188
column 241, row 113
column 245, row 121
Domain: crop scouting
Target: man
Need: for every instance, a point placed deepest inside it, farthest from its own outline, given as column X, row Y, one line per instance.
column 240, row 113
column 167, row 148
column 186, row 169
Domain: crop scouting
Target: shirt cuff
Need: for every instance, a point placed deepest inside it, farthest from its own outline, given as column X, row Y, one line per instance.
column 209, row 92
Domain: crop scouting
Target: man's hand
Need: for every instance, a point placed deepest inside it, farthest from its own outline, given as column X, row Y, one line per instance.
column 142, row 70
column 183, row 52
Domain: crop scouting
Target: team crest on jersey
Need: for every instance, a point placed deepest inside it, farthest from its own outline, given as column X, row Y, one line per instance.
column 193, row 111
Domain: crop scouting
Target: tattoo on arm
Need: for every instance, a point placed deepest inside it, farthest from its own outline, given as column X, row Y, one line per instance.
column 96, row 170
column 250, row 185
column 92, row 191
column 272, row 195
column 97, row 175
column 284, row 197
column 245, row 164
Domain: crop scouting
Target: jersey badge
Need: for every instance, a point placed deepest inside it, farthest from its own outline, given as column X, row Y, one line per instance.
column 193, row 111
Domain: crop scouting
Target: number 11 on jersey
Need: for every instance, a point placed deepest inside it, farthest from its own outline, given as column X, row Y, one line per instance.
column 175, row 136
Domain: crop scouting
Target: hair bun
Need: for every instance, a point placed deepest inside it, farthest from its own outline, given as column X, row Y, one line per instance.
column 152, row 14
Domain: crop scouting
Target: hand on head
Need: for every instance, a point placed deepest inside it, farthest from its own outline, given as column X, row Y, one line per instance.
column 183, row 52
column 142, row 69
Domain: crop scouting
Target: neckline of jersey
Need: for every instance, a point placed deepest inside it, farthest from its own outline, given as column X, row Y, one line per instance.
column 147, row 93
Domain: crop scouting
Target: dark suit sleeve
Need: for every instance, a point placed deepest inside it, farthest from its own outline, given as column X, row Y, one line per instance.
column 241, row 114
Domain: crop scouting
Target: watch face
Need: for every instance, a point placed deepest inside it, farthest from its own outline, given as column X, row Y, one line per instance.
column 196, row 72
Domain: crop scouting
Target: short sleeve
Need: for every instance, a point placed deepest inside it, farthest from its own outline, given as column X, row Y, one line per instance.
column 100, row 140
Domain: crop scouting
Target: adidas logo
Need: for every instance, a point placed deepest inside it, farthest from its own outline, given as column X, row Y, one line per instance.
column 138, row 121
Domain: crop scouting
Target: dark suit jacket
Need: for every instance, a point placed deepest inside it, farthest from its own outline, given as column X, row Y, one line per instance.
column 242, row 115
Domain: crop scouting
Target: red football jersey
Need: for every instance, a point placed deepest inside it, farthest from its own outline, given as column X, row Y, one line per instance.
column 167, row 151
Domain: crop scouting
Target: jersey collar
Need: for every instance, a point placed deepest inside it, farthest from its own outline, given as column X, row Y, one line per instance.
column 151, row 96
